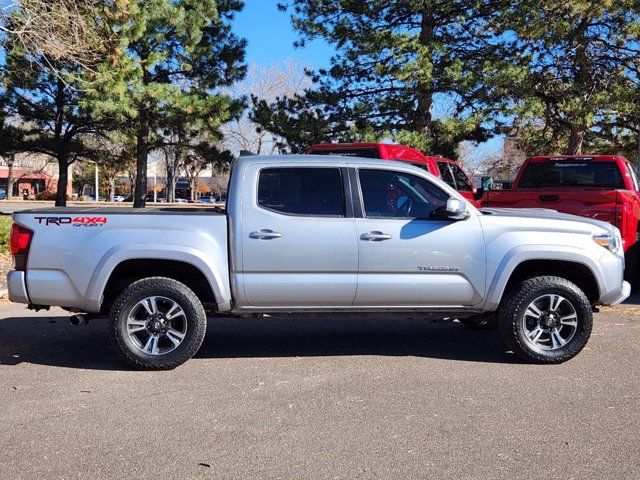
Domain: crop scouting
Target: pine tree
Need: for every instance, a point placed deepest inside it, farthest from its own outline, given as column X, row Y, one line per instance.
column 47, row 103
column 394, row 63
column 174, row 54
column 570, row 69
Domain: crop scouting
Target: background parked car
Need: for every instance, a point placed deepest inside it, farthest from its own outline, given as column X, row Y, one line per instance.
column 3, row 194
column 448, row 170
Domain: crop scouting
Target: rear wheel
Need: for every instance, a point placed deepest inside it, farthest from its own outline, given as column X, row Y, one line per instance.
column 545, row 320
column 157, row 323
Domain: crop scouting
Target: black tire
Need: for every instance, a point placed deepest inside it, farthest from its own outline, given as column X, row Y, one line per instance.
column 193, row 321
column 480, row 322
column 512, row 322
column 632, row 267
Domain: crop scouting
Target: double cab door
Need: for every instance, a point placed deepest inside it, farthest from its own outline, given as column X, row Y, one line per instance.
column 321, row 237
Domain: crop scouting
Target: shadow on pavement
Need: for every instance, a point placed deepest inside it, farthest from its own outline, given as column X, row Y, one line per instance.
column 51, row 341
column 634, row 299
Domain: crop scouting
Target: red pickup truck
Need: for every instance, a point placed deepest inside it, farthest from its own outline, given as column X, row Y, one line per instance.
column 448, row 170
column 604, row 187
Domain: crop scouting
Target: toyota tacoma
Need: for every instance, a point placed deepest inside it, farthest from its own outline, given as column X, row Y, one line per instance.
column 307, row 234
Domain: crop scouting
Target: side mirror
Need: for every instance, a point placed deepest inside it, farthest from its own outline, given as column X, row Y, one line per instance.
column 478, row 193
column 456, row 209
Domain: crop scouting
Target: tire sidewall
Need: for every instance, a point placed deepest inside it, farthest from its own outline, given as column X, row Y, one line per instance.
column 161, row 287
column 529, row 291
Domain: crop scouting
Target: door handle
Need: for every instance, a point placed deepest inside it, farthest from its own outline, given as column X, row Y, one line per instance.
column 264, row 234
column 375, row 236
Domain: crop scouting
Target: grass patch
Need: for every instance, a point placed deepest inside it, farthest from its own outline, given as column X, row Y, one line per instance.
column 5, row 227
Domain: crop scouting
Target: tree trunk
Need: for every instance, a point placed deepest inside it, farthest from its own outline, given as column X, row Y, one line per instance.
column 425, row 88
column 10, row 179
column 193, row 183
column 576, row 139
column 142, row 151
column 171, row 185
column 63, row 180
column 112, row 189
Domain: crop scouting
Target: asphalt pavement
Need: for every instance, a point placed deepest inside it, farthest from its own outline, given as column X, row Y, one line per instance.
column 322, row 398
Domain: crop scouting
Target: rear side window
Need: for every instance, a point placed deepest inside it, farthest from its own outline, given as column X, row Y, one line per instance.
column 302, row 191
column 462, row 182
column 571, row 173
column 446, row 175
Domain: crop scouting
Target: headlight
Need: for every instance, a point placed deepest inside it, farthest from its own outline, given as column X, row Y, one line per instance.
column 607, row 241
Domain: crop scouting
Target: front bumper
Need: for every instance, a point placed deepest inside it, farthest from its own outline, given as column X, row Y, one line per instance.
column 17, row 286
column 619, row 297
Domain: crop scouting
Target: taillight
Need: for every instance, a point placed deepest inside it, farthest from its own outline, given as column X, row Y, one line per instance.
column 20, row 243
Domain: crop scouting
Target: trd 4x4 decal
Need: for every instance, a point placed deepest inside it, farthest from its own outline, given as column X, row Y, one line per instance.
column 75, row 221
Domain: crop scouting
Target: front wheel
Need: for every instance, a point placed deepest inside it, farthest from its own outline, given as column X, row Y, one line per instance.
column 157, row 323
column 545, row 320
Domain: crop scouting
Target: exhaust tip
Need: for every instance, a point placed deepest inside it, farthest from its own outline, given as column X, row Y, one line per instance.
column 77, row 320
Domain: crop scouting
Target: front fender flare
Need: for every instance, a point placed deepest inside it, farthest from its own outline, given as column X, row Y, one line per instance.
column 524, row 253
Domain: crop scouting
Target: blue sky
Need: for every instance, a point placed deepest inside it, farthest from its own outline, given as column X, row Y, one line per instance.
column 270, row 36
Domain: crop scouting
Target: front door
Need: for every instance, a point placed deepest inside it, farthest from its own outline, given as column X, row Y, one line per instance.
column 410, row 255
column 298, row 242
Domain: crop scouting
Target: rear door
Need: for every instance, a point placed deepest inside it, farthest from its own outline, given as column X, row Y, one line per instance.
column 409, row 255
column 298, row 240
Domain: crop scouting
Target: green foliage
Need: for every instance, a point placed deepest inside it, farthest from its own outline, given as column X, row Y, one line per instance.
column 5, row 229
column 571, row 64
column 392, row 61
column 173, row 55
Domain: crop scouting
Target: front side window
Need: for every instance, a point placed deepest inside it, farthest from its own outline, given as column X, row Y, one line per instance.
column 389, row 194
column 445, row 174
column 302, row 191
column 462, row 181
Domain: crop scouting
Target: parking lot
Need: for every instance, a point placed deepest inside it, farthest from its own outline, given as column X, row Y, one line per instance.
column 317, row 398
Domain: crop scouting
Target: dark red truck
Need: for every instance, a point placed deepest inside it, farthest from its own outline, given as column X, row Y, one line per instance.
column 604, row 187
column 447, row 170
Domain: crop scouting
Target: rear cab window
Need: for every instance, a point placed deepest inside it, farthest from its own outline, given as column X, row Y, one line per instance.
column 571, row 173
column 302, row 191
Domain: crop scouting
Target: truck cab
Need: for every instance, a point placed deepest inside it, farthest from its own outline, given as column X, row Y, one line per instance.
column 447, row 170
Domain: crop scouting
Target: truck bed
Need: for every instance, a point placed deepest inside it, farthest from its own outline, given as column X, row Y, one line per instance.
column 125, row 211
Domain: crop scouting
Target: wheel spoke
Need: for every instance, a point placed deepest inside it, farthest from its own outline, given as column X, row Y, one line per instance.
column 175, row 336
column 150, row 305
column 534, row 335
column 569, row 320
column 151, row 347
column 554, row 302
column 556, row 340
column 134, row 325
column 174, row 312
column 533, row 311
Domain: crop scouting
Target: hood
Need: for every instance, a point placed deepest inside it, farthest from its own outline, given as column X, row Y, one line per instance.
column 547, row 214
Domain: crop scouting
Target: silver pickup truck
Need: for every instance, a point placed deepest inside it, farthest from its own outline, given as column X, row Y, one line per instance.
column 308, row 234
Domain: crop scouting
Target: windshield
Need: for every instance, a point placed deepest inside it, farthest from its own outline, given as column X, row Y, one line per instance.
column 571, row 173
